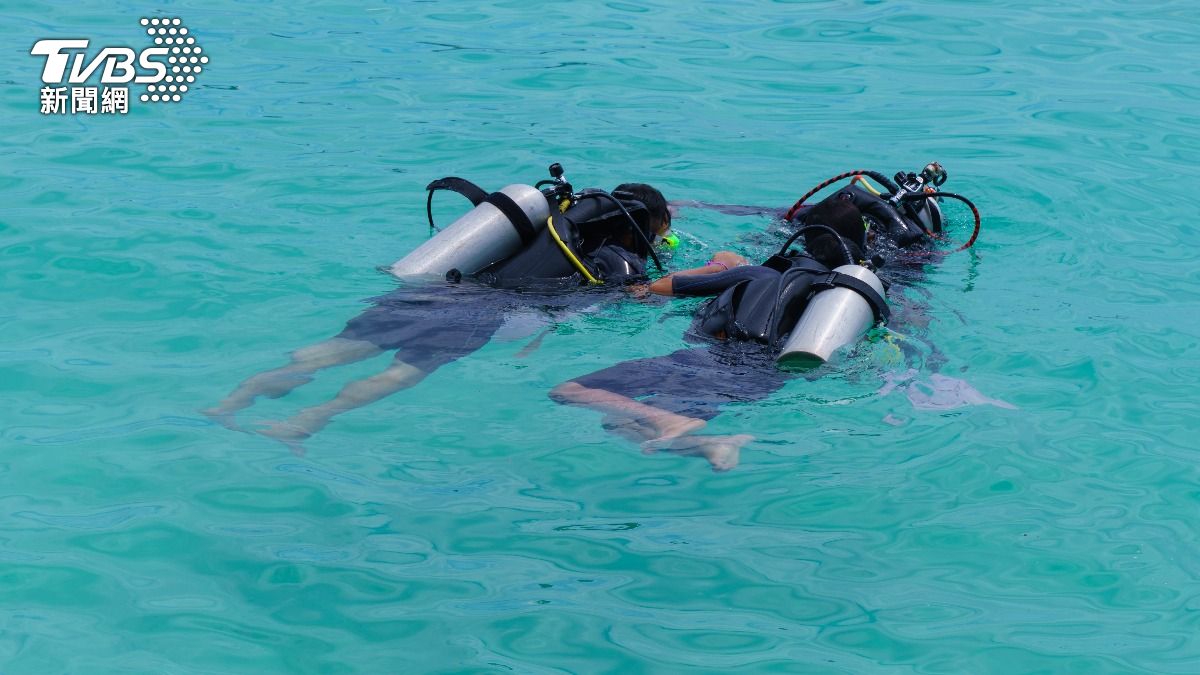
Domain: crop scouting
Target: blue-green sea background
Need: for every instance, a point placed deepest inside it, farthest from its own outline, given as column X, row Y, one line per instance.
column 150, row 262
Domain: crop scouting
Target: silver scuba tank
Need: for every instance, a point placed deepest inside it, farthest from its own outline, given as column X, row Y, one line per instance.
column 835, row 317
column 930, row 216
column 482, row 236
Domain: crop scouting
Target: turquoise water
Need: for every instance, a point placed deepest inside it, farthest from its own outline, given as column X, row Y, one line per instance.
column 148, row 263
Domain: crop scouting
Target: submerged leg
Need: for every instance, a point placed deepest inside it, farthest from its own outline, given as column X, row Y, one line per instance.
column 656, row 429
column 279, row 381
column 649, row 422
column 399, row 375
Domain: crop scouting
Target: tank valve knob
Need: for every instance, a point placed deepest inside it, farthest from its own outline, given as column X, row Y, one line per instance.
column 934, row 173
column 556, row 170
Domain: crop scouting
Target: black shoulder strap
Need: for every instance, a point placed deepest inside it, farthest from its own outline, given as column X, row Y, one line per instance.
column 838, row 280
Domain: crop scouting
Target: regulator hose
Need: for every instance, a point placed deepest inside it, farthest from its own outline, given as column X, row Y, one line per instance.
column 950, row 195
column 879, row 178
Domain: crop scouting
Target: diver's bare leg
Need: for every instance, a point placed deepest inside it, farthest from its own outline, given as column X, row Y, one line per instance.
column 659, row 429
column 661, row 423
column 279, row 381
column 399, row 375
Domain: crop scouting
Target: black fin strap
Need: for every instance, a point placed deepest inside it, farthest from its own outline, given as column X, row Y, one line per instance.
column 515, row 214
column 462, row 186
column 874, row 299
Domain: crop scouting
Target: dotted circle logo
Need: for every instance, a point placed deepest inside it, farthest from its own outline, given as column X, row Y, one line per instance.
column 185, row 59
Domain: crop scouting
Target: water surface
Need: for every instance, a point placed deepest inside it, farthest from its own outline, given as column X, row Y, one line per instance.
column 150, row 262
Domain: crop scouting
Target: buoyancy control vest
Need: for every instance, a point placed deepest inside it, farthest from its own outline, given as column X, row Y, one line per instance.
column 586, row 236
column 904, row 226
column 767, row 307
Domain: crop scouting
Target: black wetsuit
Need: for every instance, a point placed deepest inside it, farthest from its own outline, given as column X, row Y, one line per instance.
column 430, row 326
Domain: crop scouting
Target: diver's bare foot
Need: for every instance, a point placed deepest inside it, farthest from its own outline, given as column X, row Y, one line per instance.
column 722, row 452
column 291, row 435
column 223, row 417
column 725, row 452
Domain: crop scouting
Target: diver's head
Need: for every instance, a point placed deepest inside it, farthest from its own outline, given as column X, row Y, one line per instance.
column 660, row 216
column 843, row 217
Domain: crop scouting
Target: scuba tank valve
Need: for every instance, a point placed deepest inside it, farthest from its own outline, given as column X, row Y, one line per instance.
column 933, row 174
column 560, row 191
column 924, row 211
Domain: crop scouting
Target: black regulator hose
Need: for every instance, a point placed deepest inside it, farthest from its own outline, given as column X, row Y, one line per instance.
column 950, row 195
column 879, row 178
column 837, row 237
column 632, row 223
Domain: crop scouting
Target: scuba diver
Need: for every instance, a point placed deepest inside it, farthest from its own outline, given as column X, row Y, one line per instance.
column 458, row 287
column 794, row 310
